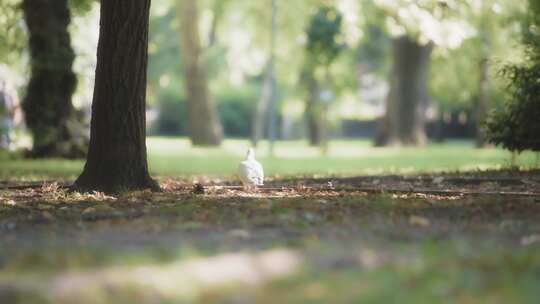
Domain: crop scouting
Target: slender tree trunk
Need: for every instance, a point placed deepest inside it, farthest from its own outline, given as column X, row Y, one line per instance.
column 117, row 154
column 314, row 119
column 314, row 123
column 482, row 104
column 259, row 117
column 382, row 137
column 47, row 105
column 404, row 122
column 439, row 131
column 218, row 10
column 314, row 109
column 267, row 103
column 514, row 159
column 203, row 122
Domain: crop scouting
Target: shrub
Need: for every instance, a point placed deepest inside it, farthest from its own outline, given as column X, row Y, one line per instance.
column 235, row 109
column 516, row 126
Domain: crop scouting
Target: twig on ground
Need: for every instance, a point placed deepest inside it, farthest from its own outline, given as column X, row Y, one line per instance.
column 34, row 185
column 374, row 190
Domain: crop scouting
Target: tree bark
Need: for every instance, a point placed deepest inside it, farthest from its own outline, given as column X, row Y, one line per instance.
column 203, row 123
column 117, row 154
column 404, row 122
column 482, row 103
column 48, row 110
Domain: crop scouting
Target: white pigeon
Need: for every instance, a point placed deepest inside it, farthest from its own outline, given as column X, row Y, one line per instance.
column 251, row 171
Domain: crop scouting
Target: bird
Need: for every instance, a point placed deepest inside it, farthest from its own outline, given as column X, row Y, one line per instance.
column 251, row 171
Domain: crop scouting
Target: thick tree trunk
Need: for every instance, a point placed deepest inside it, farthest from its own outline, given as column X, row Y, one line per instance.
column 482, row 103
column 404, row 122
column 117, row 154
column 203, row 123
column 47, row 105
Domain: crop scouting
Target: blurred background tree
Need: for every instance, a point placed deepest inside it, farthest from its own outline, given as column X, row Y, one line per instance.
column 57, row 130
column 268, row 89
column 417, row 28
column 324, row 44
column 203, row 125
column 473, row 66
column 517, row 125
column 12, row 36
column 12, row 45
column 444, row 92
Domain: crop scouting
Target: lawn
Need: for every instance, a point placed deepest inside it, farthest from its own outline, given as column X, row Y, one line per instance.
column 176, row 157
column 315, row 235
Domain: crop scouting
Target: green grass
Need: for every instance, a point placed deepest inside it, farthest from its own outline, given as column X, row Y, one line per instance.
column 441, row 274
column 348, row 249
column 147, row 247
column 176, row 157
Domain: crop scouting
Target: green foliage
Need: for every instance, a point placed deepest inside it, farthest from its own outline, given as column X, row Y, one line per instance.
column 454, row 77
column 375, row 45
column 80, row 7
column 323, row 33
column 375, row 48
column 517, row 126
column 163, row 51
column 12, row 33
column 235, row 108
column 171, row 114
column 164, row 74
column 167, row 91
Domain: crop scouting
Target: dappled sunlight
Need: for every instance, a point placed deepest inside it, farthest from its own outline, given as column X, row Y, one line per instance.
column 186, row 279
column 371, row 259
